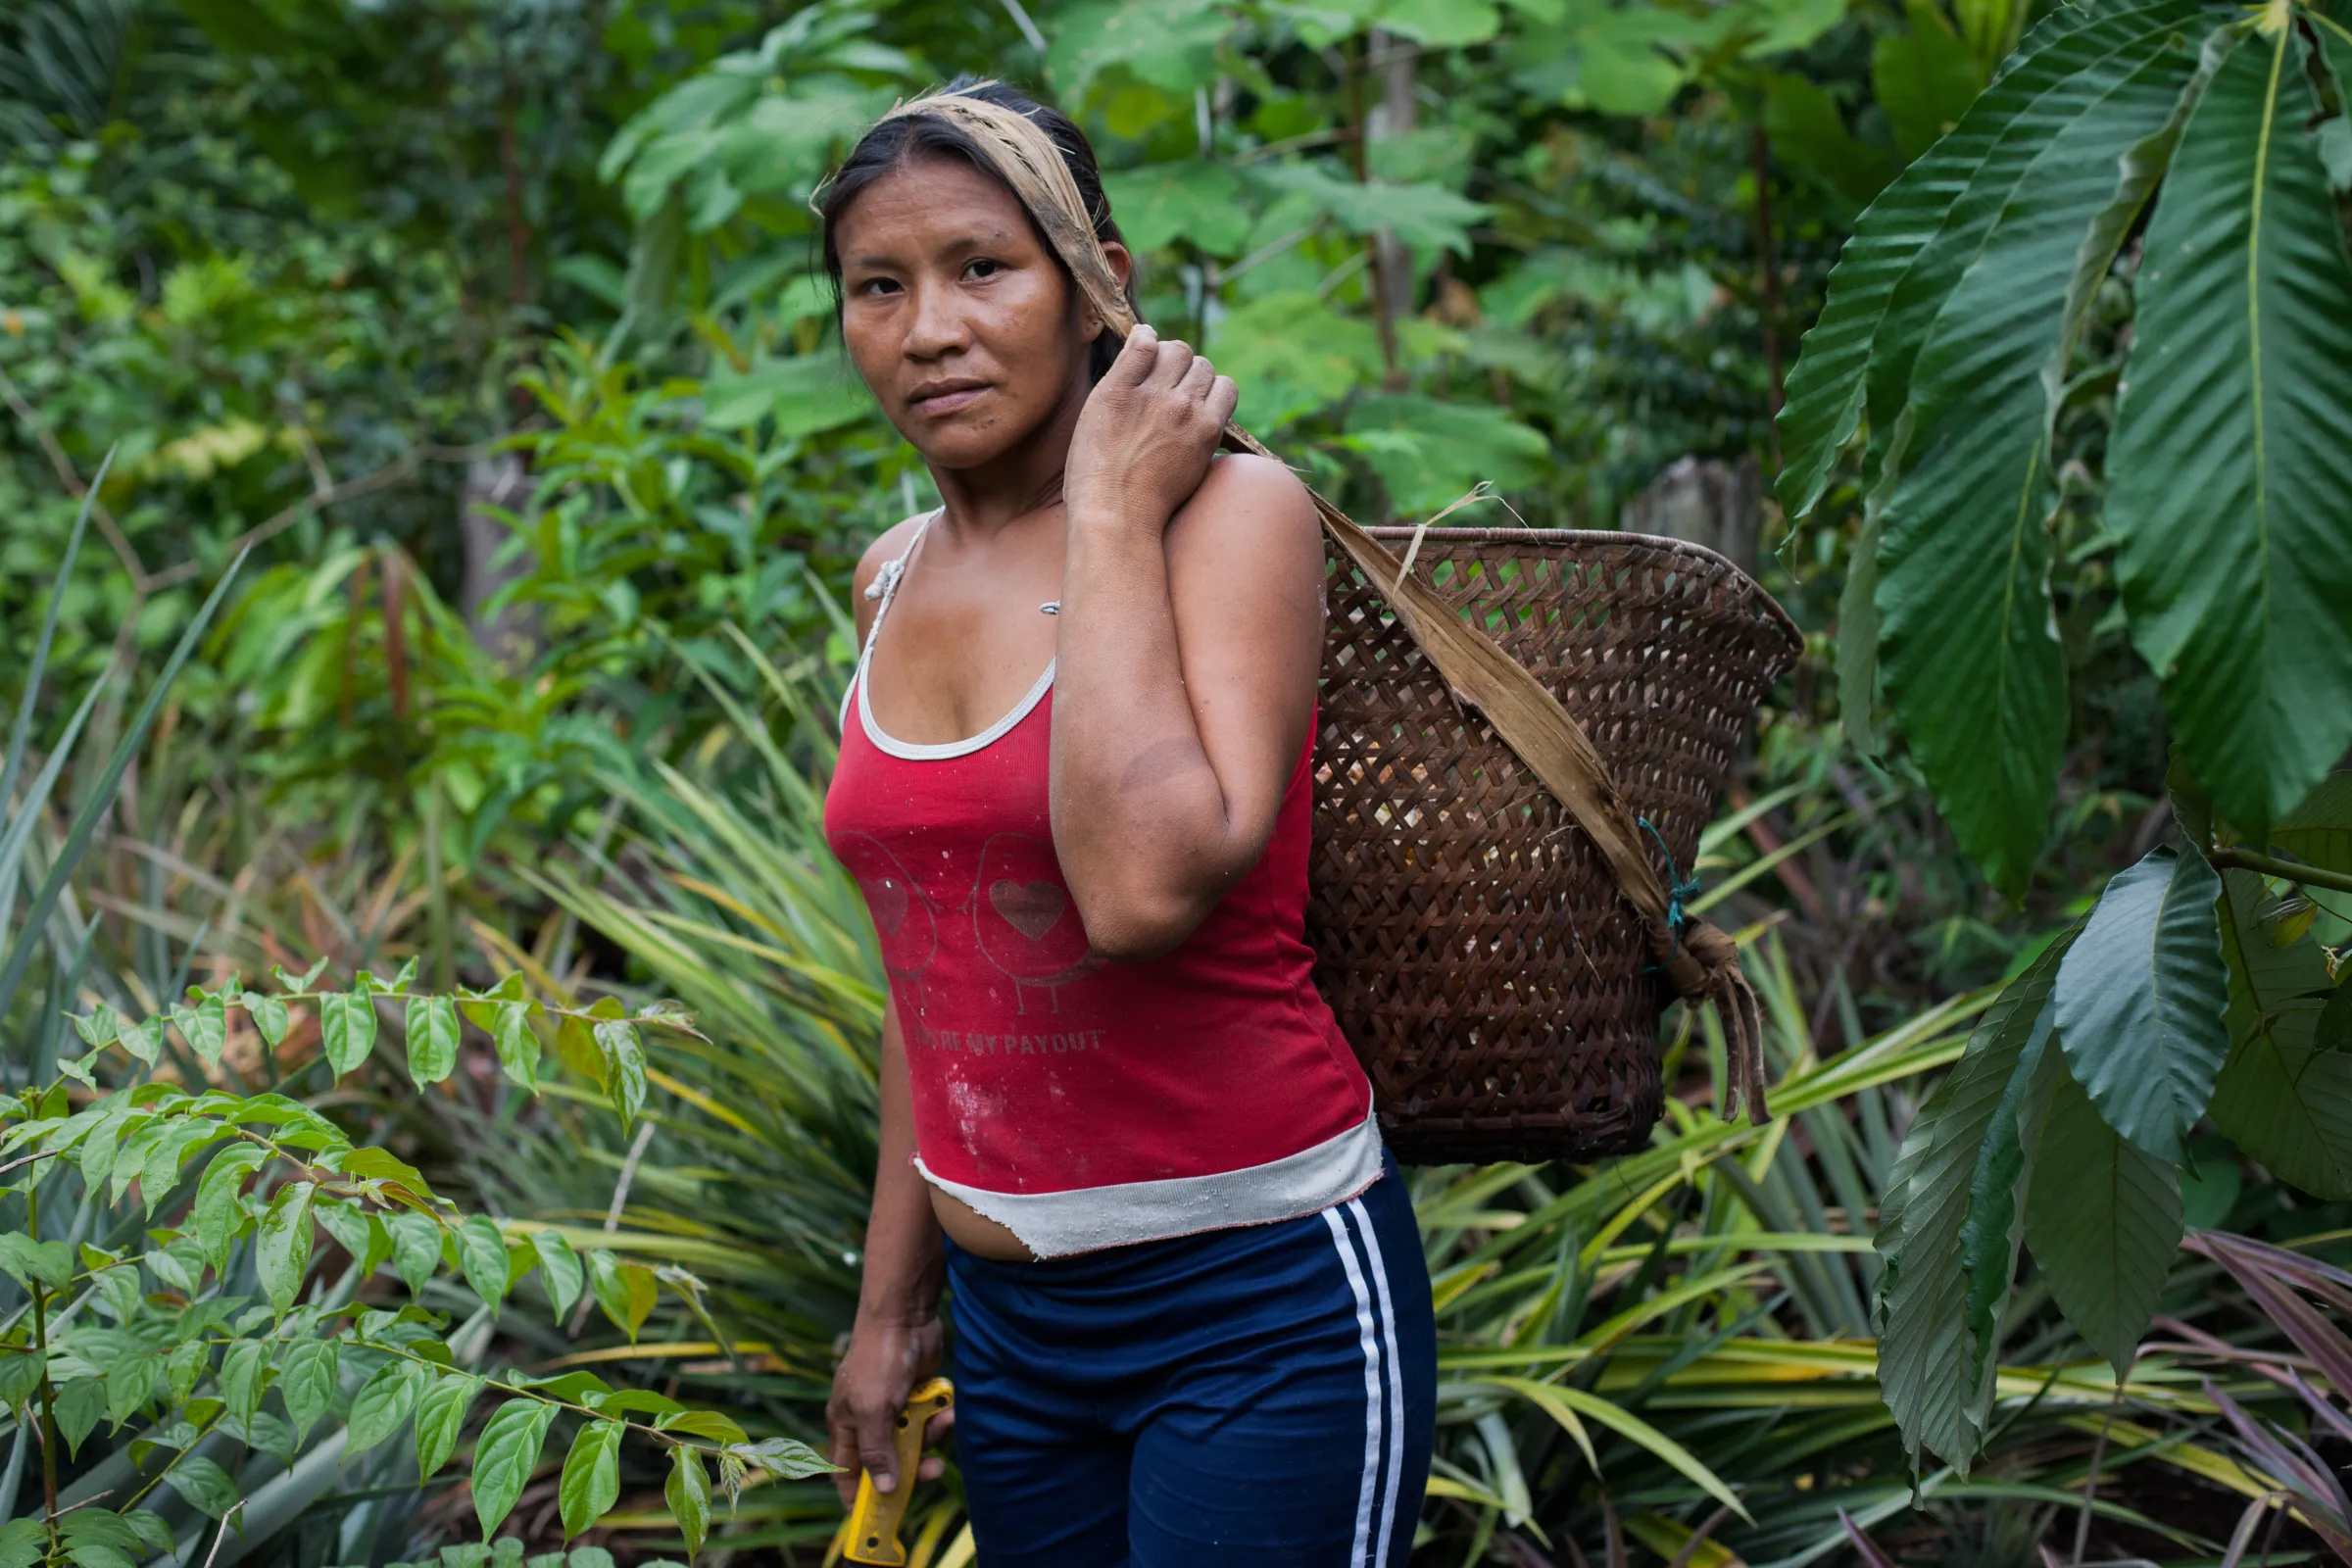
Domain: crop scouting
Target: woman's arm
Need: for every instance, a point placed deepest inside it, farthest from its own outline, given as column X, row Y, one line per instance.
column 895, row 1343
column 1189, row 640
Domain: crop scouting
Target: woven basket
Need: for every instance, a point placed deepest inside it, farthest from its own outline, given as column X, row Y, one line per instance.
column 1470, row 938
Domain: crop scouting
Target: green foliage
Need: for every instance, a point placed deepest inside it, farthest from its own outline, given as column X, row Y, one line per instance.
column 2140, row 999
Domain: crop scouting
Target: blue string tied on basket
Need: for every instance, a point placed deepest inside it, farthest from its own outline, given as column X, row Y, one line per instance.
column 1679, row 888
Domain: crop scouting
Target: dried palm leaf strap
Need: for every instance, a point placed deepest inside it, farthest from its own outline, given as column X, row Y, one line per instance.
column 1697, row 959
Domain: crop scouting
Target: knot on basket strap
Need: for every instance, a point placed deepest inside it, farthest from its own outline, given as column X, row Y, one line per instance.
column 1703, row 964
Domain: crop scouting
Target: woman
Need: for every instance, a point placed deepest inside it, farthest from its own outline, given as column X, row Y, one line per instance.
column 1192, row 1321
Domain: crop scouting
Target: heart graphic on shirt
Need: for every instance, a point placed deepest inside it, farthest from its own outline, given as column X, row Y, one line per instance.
column 887, row 898
column 1030, row 908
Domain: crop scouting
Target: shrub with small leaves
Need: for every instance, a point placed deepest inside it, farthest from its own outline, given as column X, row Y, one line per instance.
column 266, row 1284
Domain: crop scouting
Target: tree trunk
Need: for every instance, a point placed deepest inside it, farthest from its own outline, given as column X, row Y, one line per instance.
column 1711, row 502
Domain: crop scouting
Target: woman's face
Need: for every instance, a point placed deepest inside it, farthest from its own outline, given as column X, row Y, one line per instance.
column 955, row 313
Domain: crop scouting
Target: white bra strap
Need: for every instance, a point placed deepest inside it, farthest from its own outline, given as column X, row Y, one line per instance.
column 883, row 586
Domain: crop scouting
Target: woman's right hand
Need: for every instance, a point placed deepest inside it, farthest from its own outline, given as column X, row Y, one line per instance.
column 885, row 1359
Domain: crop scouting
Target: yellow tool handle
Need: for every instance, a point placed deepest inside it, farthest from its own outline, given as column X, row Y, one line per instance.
column 873, row 1527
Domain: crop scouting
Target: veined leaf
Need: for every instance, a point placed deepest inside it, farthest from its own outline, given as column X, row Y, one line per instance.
column 2320, row 829
column 347, row 1029
column 504, row 1456
column 441, row 1417
column 203, row 1485
column 482, row 1258
column 2103, row 1220
column 432, row 1035
column 415, row 1248
column 559, row 1269
column 383, row 1402
column 1925, row 1348
column 1970, row 656
column 518, row 1046
column 282, row 1244
column 1995, row 1224
column 591, row 1480
column 309, row 1382
column 626, row 1291
column 2279, row 1097
column 2142, row 1002
column 687, row 1492
column 2042, row 89
column 2231, row 468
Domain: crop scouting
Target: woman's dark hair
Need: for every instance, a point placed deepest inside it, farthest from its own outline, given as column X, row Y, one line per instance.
column 895, row 143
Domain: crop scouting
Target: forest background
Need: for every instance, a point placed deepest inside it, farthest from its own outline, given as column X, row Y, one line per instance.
column 430, row 483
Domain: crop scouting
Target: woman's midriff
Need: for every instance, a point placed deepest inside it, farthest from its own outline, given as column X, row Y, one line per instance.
column 975, row 1232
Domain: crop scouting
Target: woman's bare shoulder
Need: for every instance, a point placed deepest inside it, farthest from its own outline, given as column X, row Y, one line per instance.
column 1245, row 501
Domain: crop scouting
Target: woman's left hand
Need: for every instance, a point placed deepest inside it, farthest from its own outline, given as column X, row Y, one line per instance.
column 1149, row 429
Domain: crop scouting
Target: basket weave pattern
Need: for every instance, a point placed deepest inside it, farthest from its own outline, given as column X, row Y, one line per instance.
column 1467, row 932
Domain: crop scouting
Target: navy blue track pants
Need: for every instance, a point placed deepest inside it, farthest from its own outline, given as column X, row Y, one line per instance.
column 1262, row 1393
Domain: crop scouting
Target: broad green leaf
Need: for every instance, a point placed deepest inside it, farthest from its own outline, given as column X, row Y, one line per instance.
column 624, row 1057
column 1291, row 354
column 415, row 1248
column 441, row 1419
column 505, row 1455
column 158, row 1172
column 1169, row 43
column 383, row 1402
column 2231, row 468
column 703, row 1424
column 98, row 1028
column 2142, row 1002
column 1925, row 1351
column 1807, row 132
column 132, row 1381
column 1428, row 454
column 186, row 1366
column 2279, row 1097
column 24, row 1541
column 804, row 396
column 431, row 1029
column 2103, row 1221
column 1995, row 1229
column 80, row 1403
column 217, row 1218
column 347, row 1026
column 1924, row 78
column 144, row 1040
column 205, row 1027
column 268, row 1015
column 626, row 1291
column 244, row 1375
column 203, row 1485
column 282, row 1249
column 1195, row 201
column 1969, row 651
column 2319, row 830
column 1421, row 214
column 309, row 1381
column 688, row 1494
column 591, row 1480
column 518, row 1046
column 559, row 1269
column 1959, row 184
column 24, row 1260
column 482, row 1258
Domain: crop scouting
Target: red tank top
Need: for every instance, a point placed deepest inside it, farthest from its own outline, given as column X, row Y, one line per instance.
column 1081, row 1103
